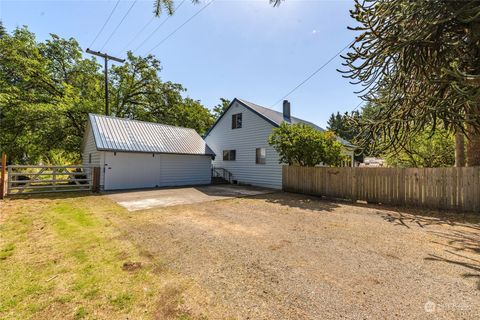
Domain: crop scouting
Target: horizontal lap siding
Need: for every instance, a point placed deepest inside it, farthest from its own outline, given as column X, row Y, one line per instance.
column 177, row 170
column 90, row 148
column 253, row 134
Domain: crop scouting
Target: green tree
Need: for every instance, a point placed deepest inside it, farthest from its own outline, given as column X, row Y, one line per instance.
column 299, row 144
column 30, row 101
column 80, row 77
column 47, row 90
column 419, row 61
column 3, row 31
column 138, row 93
column 220, row 108
column 339, row 124
column 426, row 150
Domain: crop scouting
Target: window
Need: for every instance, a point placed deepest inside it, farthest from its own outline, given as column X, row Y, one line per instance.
column 236, row 121
column 260, row 155
column 89, row 158
column 229, row 155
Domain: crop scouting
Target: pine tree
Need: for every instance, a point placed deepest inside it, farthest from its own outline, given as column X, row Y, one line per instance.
column 3, row 31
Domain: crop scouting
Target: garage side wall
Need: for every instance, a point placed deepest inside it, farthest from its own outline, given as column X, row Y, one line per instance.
column 178, row 170
column 91, row 156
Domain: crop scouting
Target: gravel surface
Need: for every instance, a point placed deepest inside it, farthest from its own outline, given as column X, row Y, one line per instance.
column 285, row 256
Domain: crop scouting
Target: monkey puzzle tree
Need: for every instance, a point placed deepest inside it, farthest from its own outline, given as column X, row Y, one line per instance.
column 420, row 62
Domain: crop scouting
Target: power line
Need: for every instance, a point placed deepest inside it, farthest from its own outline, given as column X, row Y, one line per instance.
column 358, row 105
column 103, row 27
column 314, row 73
column 138, row 33
column 118, row 25
column 183, row 24
column 156, row 29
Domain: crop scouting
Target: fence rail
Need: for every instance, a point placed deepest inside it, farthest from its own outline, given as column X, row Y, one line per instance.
column 435, row 188
column 26, row 179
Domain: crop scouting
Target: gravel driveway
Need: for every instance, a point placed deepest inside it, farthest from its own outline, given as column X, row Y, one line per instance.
column 285, row 256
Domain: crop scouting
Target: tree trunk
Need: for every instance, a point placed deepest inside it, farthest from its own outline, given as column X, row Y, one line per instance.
column 459, row 149
column 473, row 145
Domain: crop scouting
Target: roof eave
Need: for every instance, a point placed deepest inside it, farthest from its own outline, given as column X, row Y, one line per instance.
column 156, row 152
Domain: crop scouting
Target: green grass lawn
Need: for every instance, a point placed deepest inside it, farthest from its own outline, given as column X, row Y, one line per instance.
column 66, row 258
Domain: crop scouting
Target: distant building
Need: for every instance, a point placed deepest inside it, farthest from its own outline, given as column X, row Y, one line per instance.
column 373, row 162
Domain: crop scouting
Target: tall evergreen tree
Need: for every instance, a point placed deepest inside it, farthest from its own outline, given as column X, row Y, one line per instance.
column 420, row 62
column 3, row 31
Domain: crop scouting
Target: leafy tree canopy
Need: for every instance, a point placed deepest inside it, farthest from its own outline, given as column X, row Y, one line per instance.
column 425, row 150
column 299, row 144
column 220, row 108
column 47, row 90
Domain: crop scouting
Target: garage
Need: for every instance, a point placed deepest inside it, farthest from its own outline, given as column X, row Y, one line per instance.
column 136, row 154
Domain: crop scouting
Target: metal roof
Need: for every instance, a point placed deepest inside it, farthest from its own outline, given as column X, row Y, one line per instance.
column 276, row 118
column 119, row 134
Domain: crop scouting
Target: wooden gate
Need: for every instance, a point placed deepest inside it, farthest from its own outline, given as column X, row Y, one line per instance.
column 25, row 179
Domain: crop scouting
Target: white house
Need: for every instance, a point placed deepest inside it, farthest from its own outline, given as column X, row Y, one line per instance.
column 239, row 138
column 137, row 154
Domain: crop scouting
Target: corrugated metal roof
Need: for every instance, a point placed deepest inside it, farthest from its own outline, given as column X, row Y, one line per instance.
column 118, row 134
column 277, row 118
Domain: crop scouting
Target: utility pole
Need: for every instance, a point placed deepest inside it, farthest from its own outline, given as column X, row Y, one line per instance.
column 106, row 57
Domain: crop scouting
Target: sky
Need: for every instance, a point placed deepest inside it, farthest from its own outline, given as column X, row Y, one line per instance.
column 233, row 48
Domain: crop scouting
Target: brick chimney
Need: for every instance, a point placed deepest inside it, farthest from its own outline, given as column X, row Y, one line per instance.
column 286, row 110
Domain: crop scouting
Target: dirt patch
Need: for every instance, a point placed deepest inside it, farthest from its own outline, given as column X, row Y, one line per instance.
column 131, row 266
column 284, row 256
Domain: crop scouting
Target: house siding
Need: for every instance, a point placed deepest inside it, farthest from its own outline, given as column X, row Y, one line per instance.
column 253, row 134
column 89, row 147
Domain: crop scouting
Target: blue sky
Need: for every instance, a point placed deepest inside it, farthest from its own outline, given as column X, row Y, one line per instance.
column 234, row 48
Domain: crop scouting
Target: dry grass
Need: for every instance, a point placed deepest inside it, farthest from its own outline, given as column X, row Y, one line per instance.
column 65, row 258
column 276, row 256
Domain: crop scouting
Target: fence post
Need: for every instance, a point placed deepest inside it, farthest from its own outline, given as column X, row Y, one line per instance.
column 353, row 189
column 3, row 175
column 96, row 180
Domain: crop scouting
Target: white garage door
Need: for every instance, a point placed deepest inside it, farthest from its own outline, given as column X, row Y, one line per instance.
column 178, row 170
column 125, row 170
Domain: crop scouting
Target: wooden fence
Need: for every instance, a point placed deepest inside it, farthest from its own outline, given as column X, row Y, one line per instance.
column 436, row 188
column 26, row 179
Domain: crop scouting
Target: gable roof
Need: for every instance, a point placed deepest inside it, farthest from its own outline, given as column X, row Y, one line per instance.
column 275, row 118
column 126, row 135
